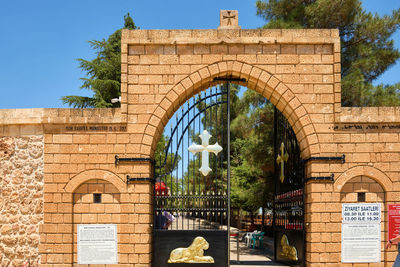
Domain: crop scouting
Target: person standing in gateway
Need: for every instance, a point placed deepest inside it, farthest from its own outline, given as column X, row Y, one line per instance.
column 389, row 244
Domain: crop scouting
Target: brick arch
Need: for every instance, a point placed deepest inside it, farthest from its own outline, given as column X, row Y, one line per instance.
column 263, row 82
column 371, row 172
column 88, row 175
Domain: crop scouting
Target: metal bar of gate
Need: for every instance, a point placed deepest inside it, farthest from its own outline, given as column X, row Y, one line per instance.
column 228, row 175
column 275, row 183
column 237, row 247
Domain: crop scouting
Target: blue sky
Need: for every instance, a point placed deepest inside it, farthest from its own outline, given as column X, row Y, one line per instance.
column 41, row 39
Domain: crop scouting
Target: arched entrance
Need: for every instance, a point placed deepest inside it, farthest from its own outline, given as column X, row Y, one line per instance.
column 298, row 71
column 193, row 184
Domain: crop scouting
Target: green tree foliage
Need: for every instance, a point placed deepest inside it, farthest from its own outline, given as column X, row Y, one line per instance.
column 367, row 47
column 103, row 74
column 252, row 153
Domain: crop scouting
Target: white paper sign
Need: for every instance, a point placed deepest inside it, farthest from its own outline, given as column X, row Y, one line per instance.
column 97, row 244
column 361, row 243
column 361, row 213
column 361, row 232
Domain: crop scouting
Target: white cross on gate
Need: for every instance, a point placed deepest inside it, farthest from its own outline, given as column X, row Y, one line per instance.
column 205, row 148
column 281, row 159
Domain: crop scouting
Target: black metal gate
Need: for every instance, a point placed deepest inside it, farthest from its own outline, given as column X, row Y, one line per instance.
column 191, row 190
column 288, row 206
column 192, row 186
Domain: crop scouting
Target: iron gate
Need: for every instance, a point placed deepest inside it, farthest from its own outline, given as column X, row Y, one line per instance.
column 288, row 206
column 191, row 191
column 192, row 186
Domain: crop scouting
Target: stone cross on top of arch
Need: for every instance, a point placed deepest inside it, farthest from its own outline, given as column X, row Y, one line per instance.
column 205, row 148
column 229, row 19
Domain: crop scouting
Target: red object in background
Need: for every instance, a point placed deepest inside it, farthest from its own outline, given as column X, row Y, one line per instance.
column 252, row 227
column 394, row 220
column 161, row 189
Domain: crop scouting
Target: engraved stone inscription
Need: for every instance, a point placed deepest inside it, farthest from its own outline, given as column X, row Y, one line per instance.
column 366, row 127
column 96, row 128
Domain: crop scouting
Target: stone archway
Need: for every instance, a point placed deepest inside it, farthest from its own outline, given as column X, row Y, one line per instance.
column 295, row 69
column 87, row 175
column 367, row 171
column 256, row 79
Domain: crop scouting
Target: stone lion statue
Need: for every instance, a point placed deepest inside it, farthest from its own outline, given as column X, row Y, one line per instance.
column 288, row 251
column 192, row 254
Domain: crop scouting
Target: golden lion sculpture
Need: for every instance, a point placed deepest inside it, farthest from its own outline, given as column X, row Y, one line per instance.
column 288, row 251
column 192, row 254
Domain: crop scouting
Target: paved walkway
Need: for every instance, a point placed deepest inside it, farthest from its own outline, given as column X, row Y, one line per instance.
column 249, row 257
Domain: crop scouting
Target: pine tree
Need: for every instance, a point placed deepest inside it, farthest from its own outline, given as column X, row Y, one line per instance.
column 103, row 74
column 367, row 47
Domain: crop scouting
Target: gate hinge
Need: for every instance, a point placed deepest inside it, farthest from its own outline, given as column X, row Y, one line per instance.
column 139, row 179
column 118, row 160
column 321, row 178
column 342, row 159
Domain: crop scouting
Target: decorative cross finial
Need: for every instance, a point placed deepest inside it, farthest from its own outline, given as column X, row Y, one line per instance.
column 229, row 16
column 229, row 19
column 205, row 148
column 281, row 159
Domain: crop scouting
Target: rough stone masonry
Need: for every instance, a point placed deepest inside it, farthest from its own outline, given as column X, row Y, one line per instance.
column 54, row 160
column 21, row 198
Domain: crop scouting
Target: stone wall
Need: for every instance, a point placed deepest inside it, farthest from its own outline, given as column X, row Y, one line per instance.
column 21, row 199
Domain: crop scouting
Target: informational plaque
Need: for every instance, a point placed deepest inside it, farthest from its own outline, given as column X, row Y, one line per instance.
column 361, row 232
column 394, row 220
column 361, row 213
column 97, row 244
column 361, row 242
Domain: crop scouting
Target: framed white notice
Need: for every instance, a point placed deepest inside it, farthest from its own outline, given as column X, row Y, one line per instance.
column 361, row 212
column 361, row 243
column 97, row 244
column 361, row 232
